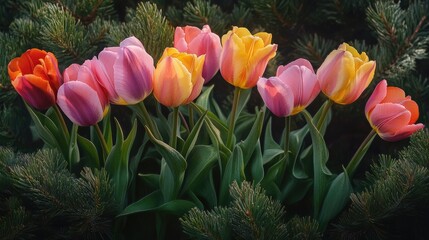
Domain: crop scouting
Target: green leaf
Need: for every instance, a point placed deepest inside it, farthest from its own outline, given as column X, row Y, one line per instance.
column 248, row 145
column 151, row 180
column 320, row 172
column 336, row 198
column 89, row 152
column 107, row 131
column 176, row 164
column 192, row 137
column 300, row 166
column 45, row 127
column 256, row 164
column 269, row 142
column 295, row 189
column 154, row 202
column 244, row 98
column 234, row 171
column 206, row 101
column 200, row 161
column 117, row 162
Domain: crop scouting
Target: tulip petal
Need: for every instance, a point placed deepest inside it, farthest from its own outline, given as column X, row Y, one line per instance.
column 376, row 97
column 402, row 133
column 299, row 62
column 394, row 95
column 363, row 78
column 413, row 108
column 197, row 79
column 257, row 65
column 35, row 91
column 277, row 96
column 172, row 82
column 389, row 117
column 233, row 60
column 80, row 103
column 133, row 74
column 179, row 40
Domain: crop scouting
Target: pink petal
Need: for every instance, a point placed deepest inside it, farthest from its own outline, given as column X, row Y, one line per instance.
column 376, row 97
column 80, row 103
column 277, row 96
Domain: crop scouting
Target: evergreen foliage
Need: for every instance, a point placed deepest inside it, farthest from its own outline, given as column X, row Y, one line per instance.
column 394, row 201
column 41, row 198
column 250, row 215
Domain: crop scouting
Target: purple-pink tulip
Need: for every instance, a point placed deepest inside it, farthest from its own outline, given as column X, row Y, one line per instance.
column 392, row 114
column 191, row 39
column 125, row 72
column 293, row 88
column 81, row 97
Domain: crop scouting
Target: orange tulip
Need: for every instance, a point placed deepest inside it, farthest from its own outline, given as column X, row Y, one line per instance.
column 178, row 78
column 36, row 77
column 244, row 56
column 392, row 114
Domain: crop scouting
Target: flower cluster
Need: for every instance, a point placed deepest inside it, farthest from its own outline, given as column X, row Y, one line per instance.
column 127, row 75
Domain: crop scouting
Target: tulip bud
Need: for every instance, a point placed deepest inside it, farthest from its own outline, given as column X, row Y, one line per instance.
column 36, row 77
column 392, row 114
column 178, row 78
column 244, row 56
column 81, row 98
column 191, row 39
column 345, row 74
column 125, row 72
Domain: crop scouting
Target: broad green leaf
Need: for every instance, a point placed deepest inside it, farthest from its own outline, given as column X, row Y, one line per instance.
column 44, row 126
column 244, row 98
column 295, row 189
column 175, row 162
column 320, row 172
column 154, row 203
column 204, row 99
column 336, row 198
column 117, row 162
column 151, row 180
column 269, row 142
column 107, row 131
column 89, row 154
column 234, row 171
column 300, row 166
column 200, row 161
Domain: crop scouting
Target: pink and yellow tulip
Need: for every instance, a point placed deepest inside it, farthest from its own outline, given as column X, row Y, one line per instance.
column 245, row 56
column 81, row 97
column 125, row 72
column 178, row 78
column 36, row 77
column 293, row 88
column 392, row 114
column 345, row 74
column 203, row 41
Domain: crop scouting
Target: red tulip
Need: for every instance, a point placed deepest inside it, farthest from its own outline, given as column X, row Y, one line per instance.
column 392, row 114
column 36, row 77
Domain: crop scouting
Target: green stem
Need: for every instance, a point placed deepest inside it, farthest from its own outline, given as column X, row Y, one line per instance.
column 357, row 157
column 191, row 116
column 173, row 137
column 62, row 122
column 325, row 111
column 233, row 116
column 287, row 133
column 148, row 120
column 102, row 141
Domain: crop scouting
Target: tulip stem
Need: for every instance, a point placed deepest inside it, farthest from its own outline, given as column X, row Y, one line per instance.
column 232, row 118
column 287, row 133
column 357, row 157
column 148, row 120
column 102, row 141
column 62, row 122
column 173, row 138
column 191, row 116
column 325, row 111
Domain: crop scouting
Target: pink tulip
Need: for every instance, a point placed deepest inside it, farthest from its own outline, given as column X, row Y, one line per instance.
column 245, row 56
column 191, row 39
column 293, row 88
column 81, row 97
column 392, row 114
column 345, row 74
column 125, row 72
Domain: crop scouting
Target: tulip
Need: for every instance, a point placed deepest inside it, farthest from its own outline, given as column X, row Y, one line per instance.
column 293, row 88
column 81, row 97
column 36, row 77
column 125, row 72
column 345, row 74
column 178, row 78
column 244, row 56
column 392, row 114
column 193, row 40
